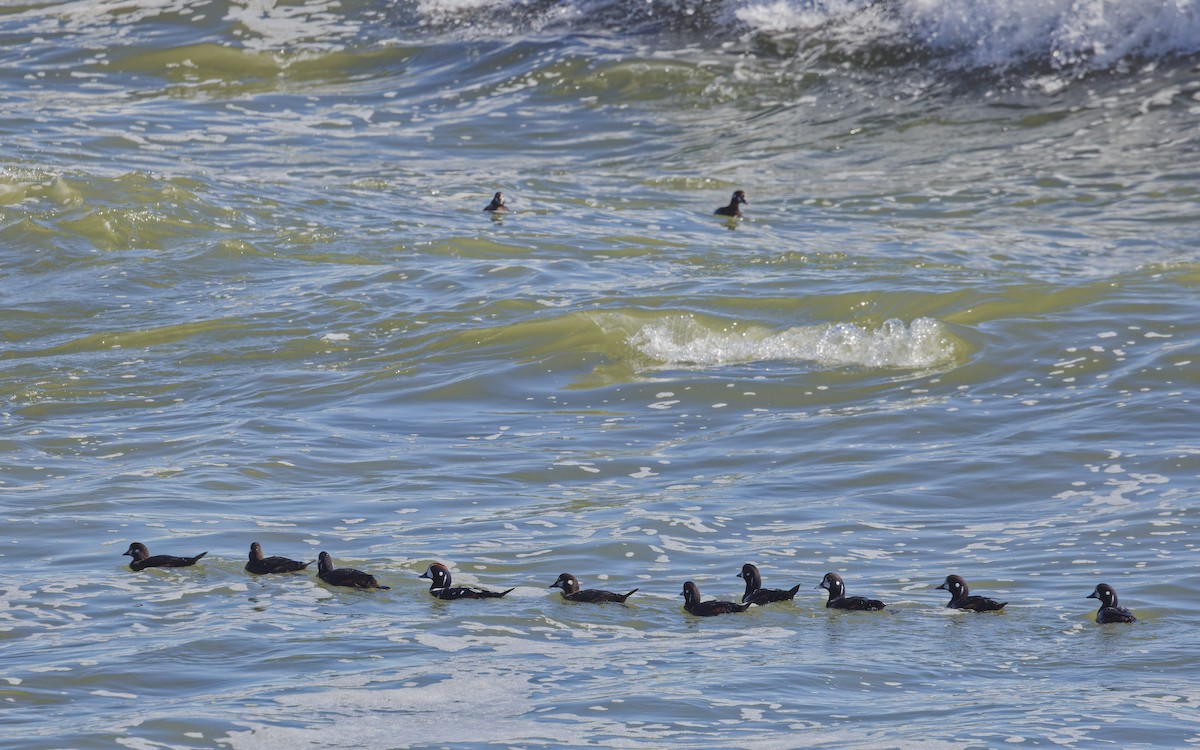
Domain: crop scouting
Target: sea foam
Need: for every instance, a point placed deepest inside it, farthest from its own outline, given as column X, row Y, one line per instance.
column 685, row 341
column 997, row 33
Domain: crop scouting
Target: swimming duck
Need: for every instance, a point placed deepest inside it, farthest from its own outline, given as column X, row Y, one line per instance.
column 832, row 583
column 734, row 209
column 693, row 605
column 960, row 598
column 756, row 594
column 440, row 587
column 1109, row 610
column 259, row 565
column 142, row 559
column 497, row 204
column 356, row 579
column 570, row 591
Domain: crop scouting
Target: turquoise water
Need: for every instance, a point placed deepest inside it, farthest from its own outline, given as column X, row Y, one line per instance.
column 249, row 294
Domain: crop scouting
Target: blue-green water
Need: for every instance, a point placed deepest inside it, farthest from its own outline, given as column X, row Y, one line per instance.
column 248, row 294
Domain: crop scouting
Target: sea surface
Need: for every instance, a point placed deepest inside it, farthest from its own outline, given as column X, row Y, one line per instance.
column 248, row 293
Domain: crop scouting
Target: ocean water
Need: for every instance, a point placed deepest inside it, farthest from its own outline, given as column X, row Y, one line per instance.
column 247, row 293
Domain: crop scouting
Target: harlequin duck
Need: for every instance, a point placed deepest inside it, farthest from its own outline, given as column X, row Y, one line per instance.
column 1109, row 610
column 259, row 565
column 734, row 209
column 693, row 605
column 355, row 579
column 959, row 598
column 142, row 559
column 440, row 587
column 497, row 204
column 570, row 591
column 832, row 583
column 756, row 594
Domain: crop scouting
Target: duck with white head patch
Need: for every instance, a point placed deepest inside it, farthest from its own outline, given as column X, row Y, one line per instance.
column 734, row 209
column 497, row 204
column 832, row 582
column 1109, row 611
column 572, row 593
column 961, row 598
column 440, row 586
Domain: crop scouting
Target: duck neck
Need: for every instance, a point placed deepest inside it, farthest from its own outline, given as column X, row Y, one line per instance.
column 752, row 584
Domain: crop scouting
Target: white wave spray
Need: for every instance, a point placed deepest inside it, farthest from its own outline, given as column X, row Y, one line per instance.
column 1089, row 34
column 685, row 341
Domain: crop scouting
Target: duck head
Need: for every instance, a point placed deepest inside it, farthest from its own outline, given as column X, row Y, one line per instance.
column 956, row 585
column 832, row 582
column 567, row 582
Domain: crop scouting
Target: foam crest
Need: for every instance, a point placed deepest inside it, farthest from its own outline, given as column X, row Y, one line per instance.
column 684, row 340
column 997, row 33
column 446, row 7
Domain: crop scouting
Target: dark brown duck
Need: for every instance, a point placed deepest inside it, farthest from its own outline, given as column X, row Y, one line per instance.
column 142, row 558
column 734, row 209
column 350, row 577
column 259, row 565
column 497, row 204
column 756, row 594
column 693, row 605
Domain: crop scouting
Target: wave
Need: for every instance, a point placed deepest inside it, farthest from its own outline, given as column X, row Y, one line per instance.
column 994, row 34
column 1054, row 35
column 685, row 340
column 1059, row 34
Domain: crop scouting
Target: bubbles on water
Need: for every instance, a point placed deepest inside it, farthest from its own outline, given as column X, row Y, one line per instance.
column 1051, row 34
column 686, row 341
column 1058, row 34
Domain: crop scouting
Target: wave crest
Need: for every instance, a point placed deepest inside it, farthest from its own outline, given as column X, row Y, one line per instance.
column 996, row 34
column 686, row 341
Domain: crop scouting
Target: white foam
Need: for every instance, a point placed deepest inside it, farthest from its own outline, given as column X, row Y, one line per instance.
column 685, row 341
column 996, row 33
column 430, row 7
column 113, row 694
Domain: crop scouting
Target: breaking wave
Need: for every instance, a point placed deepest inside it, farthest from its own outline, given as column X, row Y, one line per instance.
column 995, row 34
column 686, row 341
